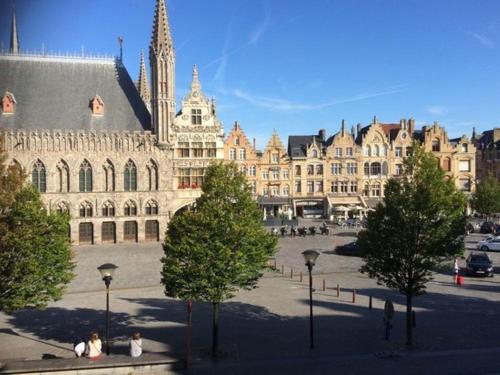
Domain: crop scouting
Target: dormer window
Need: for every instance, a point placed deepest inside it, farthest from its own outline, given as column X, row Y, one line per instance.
column 196, row 116
column 8, row 103
column 97, row 106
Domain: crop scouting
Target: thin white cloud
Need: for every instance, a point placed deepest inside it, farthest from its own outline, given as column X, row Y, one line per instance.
column 438, row 110
column 483, row 40
column 284, row 105
column 261, row 28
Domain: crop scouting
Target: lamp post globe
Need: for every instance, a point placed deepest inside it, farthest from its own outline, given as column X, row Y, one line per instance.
column 310, row 257
column 107, row 271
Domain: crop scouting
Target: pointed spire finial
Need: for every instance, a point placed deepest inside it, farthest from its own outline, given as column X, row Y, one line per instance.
column 161, row 28
column 14, row 39
column 142, row 84
column 473, row 132
column 195, row 84
column 374, row 120
column 343, row 127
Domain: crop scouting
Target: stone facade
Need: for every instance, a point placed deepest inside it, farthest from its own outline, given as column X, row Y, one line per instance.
column 488, row 153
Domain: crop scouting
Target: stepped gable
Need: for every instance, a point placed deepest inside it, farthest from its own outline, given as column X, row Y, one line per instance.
column 56, row 92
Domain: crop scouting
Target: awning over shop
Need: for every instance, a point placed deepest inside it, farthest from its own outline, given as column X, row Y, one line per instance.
column 273, row 201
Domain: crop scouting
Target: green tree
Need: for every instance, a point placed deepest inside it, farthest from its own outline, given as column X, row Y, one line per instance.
column 12, row 178
column 420, row 223
column 218, row 247
column 35, row 253
column 486, row 198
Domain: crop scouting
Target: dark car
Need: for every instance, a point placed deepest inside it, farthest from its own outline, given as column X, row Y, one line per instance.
column 349, row 249
column 479, row 264
column 488, row 227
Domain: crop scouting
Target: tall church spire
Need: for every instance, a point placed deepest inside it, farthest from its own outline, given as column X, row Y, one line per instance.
column 162, row 59
column 14, row 39
column 162, row 38
column 142, row 84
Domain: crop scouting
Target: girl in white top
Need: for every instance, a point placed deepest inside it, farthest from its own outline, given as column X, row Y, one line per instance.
column 136, row 345
column 95, row 346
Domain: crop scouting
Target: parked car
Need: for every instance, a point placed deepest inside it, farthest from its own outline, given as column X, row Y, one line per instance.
column 490, row 243
column 479, row 264
column 489, row 227
column 349, row 249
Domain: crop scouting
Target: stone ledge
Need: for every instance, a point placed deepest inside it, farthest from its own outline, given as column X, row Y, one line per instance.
column 114, row 364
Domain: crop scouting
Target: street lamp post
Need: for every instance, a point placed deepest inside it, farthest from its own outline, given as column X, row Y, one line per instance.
column 310, row 257
column 107, row 270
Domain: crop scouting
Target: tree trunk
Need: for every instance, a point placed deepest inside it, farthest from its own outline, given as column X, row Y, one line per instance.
column 409, row 323
column 215, row 328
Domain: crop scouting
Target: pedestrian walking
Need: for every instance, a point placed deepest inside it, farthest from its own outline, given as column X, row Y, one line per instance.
column 94, row 346
column 456, row 270
column 136, row 345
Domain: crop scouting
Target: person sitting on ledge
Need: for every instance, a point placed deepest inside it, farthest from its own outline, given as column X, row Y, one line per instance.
column 136, row 345
column 95, row 346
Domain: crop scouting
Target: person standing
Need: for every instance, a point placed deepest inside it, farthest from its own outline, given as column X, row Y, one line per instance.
column 136, row 345
column 456, row 270
column 94, row 346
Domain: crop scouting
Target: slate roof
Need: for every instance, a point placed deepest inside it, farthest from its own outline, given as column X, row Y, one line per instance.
column 55, row 93
column 297, row 144
column 486, row 140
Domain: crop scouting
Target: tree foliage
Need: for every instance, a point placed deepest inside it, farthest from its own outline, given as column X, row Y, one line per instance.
column 11, row 181
column 419, row 224
column 35, row 253
column 486, row 198
column 220, row 246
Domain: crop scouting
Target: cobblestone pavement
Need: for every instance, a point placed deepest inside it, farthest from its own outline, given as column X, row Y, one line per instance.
column 264, row 324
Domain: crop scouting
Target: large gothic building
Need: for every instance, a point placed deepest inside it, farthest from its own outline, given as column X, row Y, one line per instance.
column 119, row 157
column 122, row 159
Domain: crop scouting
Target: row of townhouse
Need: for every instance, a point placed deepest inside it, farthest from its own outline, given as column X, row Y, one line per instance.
column 344, row 174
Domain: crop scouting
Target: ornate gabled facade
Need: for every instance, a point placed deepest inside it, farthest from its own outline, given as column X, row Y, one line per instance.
column 487, row 153
column 237, row 149
column 120, row 163
column 457, row 157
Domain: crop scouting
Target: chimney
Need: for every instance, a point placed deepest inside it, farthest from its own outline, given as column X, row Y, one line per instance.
column 343, row 127
column 402, row 124
column 236, row 125
column 254, row 148
column 411, row 125
column 473, row 132
column 358, row 129
column 322, row 134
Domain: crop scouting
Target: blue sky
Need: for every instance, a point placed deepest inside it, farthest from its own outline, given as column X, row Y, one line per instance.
column 298, row 66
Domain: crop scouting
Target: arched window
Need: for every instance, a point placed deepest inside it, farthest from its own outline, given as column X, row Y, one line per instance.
column 314, row 153
column 130, row 177
column 385, row 169
column 151, row 208
column 436, row 145
column 85, row 177
column 367, row 169
column 130, row 209
column 86, row 209
column 152, row 175
column 109, row 176
column 63, row 177
column 39, row 176
column 384, row 150
column 376, row 150
column 62, row 207
column 375, row 169
column 108, row 209
column 297, row 170
column 368, row 150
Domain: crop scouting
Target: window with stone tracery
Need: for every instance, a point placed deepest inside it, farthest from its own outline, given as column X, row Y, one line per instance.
column 152, row 169
column 108, row 209
column 130, row 177
column 63, row 177
column 130, row 208
column 151, row 208
column 39, row 176
column 86, row 209
column 85, row 177
column 109, row 176
column 196, row 116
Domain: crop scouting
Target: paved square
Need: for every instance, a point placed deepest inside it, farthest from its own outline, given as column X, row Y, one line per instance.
column 268, row 322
